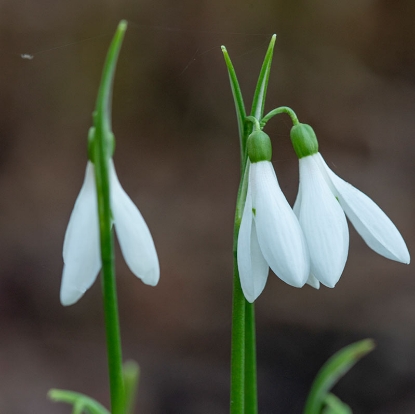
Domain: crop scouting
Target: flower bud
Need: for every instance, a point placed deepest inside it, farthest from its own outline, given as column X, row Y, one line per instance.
column 304, row 140
column 259, row 147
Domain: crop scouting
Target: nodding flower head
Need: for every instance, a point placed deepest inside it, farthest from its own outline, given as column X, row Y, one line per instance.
column 81, row 250
column 270, row 235
column 323, row 202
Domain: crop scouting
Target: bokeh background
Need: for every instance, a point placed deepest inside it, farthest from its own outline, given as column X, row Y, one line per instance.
column 345, row 67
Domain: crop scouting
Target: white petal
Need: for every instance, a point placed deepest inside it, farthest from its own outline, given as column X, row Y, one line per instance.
column 81, row 251
column 253, row 269
column 279, row 234
column 375, row 227
column 324, row 224
column 297, row 204
column 133, row 234
column 313, row 282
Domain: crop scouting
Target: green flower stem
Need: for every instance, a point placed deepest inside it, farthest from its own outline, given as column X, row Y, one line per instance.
column 238, row 346
column 251, row 397
column 102, row 151
column 250, row 381
column 255, row 122
column 280, row 110
column 238, row 357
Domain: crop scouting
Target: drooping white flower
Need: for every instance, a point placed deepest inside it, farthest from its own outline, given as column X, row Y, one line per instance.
column 81, row 249
column 322, row 202
column 270, row 235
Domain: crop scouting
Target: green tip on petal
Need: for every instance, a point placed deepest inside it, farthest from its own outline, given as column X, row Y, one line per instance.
column 304, row 140
column 259, row 147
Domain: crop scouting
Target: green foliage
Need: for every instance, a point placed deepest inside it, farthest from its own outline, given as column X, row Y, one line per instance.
column 81, row 403
column 258, row 102
column 334, row 406
column 243, row 351
column 319, row 399
column 131, row 374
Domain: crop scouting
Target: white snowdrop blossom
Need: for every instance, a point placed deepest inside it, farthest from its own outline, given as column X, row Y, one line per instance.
column 270, row 235
column 323, row 202
column 81, row 249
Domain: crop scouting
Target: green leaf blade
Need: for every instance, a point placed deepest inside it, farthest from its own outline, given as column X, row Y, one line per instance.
column 260, row 94
column 334, row 405
column 331, row 372
column 80, row 402
column 238, row 100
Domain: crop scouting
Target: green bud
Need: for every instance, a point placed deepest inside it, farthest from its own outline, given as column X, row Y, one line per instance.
column 259, row 147
column 304, row 140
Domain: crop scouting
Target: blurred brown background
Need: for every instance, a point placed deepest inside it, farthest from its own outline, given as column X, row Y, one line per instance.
column 346, row 67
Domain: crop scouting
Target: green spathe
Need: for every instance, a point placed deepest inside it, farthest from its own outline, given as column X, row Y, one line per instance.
column 304, row 140
column 259, row 147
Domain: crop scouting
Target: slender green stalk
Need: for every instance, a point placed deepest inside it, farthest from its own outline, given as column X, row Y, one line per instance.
column 280, row 110
column 238, row 357
column 251, row 394
column 255, row 122
column 103, row 144
column 238, row 346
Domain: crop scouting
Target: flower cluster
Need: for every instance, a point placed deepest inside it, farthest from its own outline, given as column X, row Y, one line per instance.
column 310, row 243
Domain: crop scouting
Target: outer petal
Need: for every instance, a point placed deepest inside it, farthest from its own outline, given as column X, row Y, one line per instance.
column 313, row 282
column 375, row 227
column 297, row 204
column 134, row 236
column 324, row 224
column 81, row 252
column 279, row 233
column 253, row 269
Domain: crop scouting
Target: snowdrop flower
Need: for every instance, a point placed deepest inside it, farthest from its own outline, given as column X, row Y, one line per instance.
column 270, row 234
column 323, row 202
column 81, row 249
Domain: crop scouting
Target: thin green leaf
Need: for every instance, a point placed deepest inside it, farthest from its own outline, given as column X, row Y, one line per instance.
column 80, row 402
column 332, row 371
column 131, row 373
column 239, row 102
column 258, row 102
column 335, row 406
column 103, row 105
